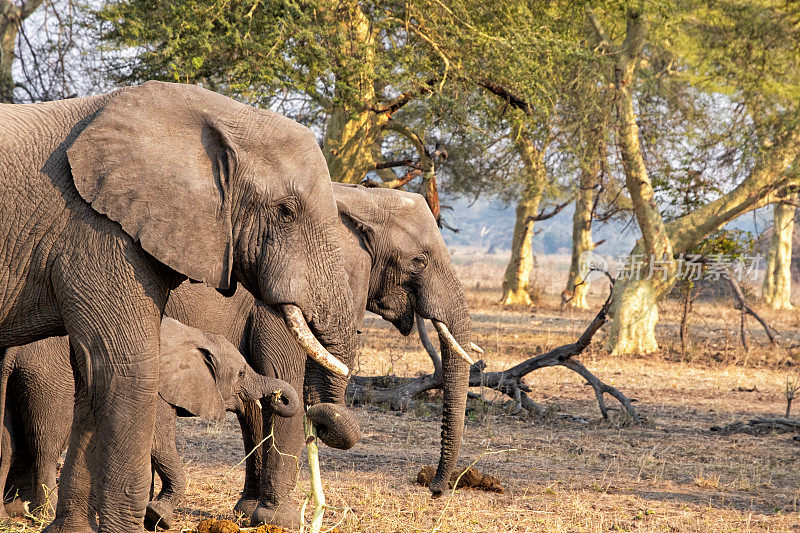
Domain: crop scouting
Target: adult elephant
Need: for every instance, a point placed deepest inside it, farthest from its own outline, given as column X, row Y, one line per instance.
column 109, row 202
column 397, row 266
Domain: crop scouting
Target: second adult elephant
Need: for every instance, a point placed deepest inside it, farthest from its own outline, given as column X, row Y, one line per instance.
column 398, row 267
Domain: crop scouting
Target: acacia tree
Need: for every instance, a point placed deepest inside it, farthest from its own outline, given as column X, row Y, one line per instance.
column 518, row 272
column 734, row 29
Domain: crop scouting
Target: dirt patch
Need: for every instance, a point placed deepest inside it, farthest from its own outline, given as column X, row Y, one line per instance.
column 470, row 478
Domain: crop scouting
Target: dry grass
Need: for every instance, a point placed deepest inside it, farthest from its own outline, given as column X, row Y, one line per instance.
column 560, row 473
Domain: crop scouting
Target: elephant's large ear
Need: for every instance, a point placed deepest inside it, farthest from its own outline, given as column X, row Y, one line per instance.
column 188, row 375
column 358, row 209
column 157, row 160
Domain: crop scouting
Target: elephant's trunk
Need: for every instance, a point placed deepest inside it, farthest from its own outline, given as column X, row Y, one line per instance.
column 324, row 392
column 454, row 333
column 279, row 395
column 336, row 425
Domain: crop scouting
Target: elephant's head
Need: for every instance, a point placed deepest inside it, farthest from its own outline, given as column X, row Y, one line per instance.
column 223, row 192
column 410, row 273
column 202, row 374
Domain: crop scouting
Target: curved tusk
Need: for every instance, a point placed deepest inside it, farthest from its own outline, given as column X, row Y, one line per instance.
column 476, row 347
column 451, row 341
column 296, row 322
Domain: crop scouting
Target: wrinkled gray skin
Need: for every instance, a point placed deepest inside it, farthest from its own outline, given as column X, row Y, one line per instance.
column 201, row 375
column 109, row 202
column 397, row 265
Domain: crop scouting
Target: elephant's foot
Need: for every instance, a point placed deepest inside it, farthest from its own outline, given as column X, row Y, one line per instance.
column 59, row 526
column 158, row 515
column 17, row 507
column 285, row 515
column 245, row 506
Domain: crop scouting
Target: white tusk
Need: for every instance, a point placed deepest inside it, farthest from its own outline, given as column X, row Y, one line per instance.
column 297, row 325
column 451, row 341
column 476, row 347
column 258, row 404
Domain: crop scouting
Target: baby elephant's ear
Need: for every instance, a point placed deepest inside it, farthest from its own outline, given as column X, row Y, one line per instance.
column 158, row 159
column 188, row 378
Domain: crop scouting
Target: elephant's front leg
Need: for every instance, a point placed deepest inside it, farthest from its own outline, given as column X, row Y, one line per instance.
column 167, row 464
column 113, row 318
column 111, row 439
column 73, row 509
column 251, row 424
column 5, row 465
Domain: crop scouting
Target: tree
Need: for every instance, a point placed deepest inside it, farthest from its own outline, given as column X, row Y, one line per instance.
column 777, row 286
column 585, row 203
column 773, row 118
column 11, row 18
column 518, row 272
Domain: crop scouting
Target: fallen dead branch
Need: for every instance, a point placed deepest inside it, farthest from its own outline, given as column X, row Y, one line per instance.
column 399, row 393
column 761, row 425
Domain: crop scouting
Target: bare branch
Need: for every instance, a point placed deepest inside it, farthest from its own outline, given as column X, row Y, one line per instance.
column 507, row 95
column 393, row 164
column 556, row 210
column 393, row 184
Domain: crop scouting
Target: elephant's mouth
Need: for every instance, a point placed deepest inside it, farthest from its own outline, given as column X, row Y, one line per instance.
column 297, row 324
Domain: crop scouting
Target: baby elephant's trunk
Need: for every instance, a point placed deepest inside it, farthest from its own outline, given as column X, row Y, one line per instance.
column 277, row 394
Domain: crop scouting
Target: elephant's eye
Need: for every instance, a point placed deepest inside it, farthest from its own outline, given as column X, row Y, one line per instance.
column 287, row 211
column 420, row 261
column 241, row 373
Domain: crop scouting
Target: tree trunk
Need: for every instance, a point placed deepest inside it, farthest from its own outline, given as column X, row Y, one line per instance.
column 11, row 18
column 582, row 241
column 635, row 316
column 353, row 126
column 777, row 288
column 9, row 27
column 517, row 277
column 634, row 310
column 349, row 138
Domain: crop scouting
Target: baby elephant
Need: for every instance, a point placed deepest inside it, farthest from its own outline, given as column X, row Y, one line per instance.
column 200, row 375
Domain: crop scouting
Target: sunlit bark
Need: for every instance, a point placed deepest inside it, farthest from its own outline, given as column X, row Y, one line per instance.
column 517, row 277
column 353, row 126
column 777, row 288
column 582, row 241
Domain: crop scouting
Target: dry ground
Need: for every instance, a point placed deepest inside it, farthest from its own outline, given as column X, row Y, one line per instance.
column 571, row 471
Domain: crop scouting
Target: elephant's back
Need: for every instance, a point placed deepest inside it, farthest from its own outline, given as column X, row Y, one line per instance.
column 29, row 133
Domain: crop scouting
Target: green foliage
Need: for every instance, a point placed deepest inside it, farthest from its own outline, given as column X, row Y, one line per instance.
column 731, row 243
column 249, row 49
